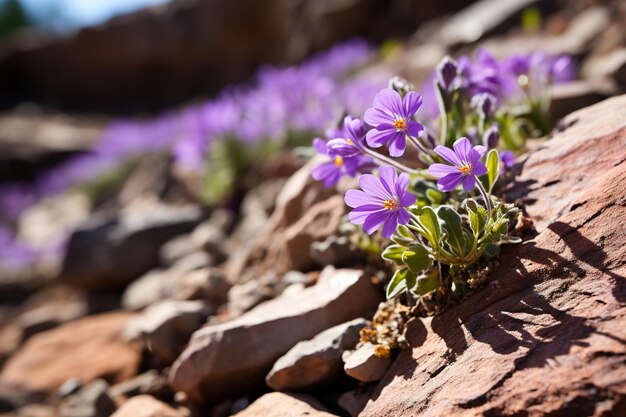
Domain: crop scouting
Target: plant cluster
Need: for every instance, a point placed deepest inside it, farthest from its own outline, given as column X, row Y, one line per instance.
column 435, row 204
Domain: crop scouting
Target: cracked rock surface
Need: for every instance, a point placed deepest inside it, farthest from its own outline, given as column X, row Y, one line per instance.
column 548, row 335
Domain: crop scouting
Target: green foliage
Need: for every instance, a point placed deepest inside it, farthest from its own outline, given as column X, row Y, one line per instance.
column 446, row 237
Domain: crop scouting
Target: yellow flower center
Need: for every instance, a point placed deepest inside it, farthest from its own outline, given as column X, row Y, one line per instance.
column 349, row 141
column 391, row 204
column 465, row 169
column 399, row 125
column 339, row 161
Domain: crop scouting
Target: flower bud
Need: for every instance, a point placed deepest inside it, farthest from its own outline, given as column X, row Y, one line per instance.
column 485, row 104
column 400, row 85
column 447, row 71
column 491, row 138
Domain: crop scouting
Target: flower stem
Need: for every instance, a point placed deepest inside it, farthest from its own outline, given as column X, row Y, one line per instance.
column 420, row 172
column 443, row 137
column 417, row 144
column 484, row 195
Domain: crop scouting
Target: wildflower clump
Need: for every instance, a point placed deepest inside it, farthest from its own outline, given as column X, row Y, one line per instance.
column 437, row 206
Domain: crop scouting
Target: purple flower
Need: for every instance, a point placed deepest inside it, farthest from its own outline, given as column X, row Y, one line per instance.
column 352, row 141
column 491, row 138
column 391, row 118
column 381, row 202
column 507, row 160
column 465, row 165
column 447, row 71
column 330, row 172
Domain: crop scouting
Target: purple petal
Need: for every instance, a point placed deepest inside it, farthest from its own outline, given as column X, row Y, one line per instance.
column 374, row 117
column 450, row 181
column 397, row 144
column 354, row 129
column 479, row 169
column 449, row 155
column 372, row 186
column 359, row 214
column 389, row 100
column 412, row 103
column 341, row 147
column 407, row 200
column 441, row 170
column 403, row 216
column 469, row 183
column 463, row 148
column 319, row 145
column 402, row 183
column 480, row 149
column 377, row 138
column 391, row 224
column 375, row 220
column 415, row 129
column 358, row 198
column 351, row 165
column 388, row 178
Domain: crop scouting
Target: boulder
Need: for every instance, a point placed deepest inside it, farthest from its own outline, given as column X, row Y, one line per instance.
column 146, row 406
column 164, row 328
column 547, row 336
column 110, row 253
column 231, row 358
column 314, row 362
column 181, row 282
column 364, row 365
column 277, row 404
column 84, row 349
column 267, row 250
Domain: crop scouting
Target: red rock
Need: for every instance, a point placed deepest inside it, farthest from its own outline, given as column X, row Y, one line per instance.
column 548, row 334
column 277, row 404
column 85, row 349
column 229, row 359
column 147, row 406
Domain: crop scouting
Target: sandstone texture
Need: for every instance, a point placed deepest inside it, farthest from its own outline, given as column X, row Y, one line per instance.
column 313, row 362
column 85, row 349
column 548, row 334
column 147, row 406
column 278, row 404
column 229, row 359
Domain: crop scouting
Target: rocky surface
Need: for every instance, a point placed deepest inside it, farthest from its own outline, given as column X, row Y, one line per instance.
column 231, row 358
column 364, row 365
column 314, row 362
column 85, row 349
column 165, row 327
column 109, row 253
column 146, row 406
column 555, row 309
column 277, row 404
column 90, row 401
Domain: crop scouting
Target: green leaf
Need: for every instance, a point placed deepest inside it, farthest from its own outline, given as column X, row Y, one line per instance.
column 434, row 196
column 428, row 219
column 491, row 251
column 427, row 282
column 453, row 228
column 403, row 236
column 416, row 258
column 394, row 254
column 398, row 282
column 477, row 216
column 493, row 168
